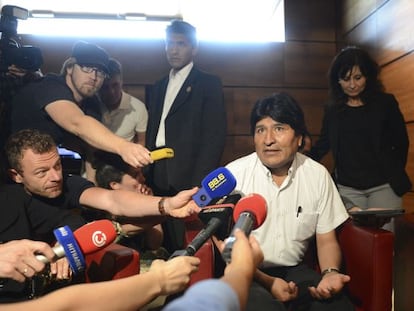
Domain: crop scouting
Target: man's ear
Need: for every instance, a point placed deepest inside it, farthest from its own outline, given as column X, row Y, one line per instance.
column 15, row 176
column 114, row 185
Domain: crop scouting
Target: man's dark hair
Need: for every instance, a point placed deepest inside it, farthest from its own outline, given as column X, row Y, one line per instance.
column 281, row 107
column 109, row 168
column 184, row 28
column 26, row 139
column 115, row 68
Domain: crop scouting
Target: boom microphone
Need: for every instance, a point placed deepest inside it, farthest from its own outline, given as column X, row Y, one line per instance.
column 249, row 213
column 199, row 239
column 217, row 184
column 85, row 240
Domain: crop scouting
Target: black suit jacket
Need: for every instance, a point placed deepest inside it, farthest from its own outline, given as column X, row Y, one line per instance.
column 195, row 128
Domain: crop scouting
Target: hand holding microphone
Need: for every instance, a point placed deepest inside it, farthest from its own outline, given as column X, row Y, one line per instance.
column 249, row 213
column 85, row 240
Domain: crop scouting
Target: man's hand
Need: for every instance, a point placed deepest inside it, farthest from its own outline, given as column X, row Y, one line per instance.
column 284, row 291
column 60, row 269
column 135, row 155
column 331, row 284
column 182, row 205
column 174, row 275
column 16, row 71
column 18, row 259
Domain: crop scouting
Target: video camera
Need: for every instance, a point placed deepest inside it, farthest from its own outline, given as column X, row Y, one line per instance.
column 11, row 51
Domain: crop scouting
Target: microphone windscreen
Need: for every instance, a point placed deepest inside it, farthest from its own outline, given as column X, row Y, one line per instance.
column 216, row 184
column 253, row 203
column 95, row 235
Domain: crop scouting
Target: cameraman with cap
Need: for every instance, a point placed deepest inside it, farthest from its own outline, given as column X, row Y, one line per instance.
column 56, row 105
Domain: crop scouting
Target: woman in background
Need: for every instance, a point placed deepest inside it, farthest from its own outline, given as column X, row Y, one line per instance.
column 365, row 130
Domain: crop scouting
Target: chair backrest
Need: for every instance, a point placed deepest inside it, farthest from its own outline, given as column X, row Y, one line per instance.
column 368, row 258
column 113, row 262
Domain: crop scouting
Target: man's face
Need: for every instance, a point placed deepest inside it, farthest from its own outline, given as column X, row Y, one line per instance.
column 180, row 51
column 41, row 174
column 84, row 84
column 275, row 144
column 133, row 180
column 111, row 92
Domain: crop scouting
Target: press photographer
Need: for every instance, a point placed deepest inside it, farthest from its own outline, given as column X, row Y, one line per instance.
column 19, row 64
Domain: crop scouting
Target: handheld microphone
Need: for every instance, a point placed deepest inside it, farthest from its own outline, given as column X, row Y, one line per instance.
column 224, row 212
column 199, row 239
column 249, row 213
column 216, row 184
column 85, row 240
column 163, row 153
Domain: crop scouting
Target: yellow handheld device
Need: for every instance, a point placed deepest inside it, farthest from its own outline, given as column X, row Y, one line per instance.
column 163, row 153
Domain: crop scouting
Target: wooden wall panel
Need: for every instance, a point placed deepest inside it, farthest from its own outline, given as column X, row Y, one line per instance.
column 236, row 147
column 310, row 20
column 398, row 79
column 388, row 33
column 243, row 65
column 356, row 11
column 308, row 63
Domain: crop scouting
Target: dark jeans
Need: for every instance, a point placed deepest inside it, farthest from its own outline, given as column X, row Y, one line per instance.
column 261, row 299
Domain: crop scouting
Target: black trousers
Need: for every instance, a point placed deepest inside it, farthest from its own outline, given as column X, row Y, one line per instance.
column 261, row 299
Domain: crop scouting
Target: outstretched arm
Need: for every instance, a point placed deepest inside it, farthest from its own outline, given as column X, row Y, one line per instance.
column 132, row 204
column 95, row 133
column 128, row 294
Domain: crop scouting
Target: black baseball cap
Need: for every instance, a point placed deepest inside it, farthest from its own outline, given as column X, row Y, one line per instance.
column 89, row 54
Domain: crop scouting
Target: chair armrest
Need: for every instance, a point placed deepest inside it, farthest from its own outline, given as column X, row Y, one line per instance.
column 368, row 259
column 205, row 253
column 113, row 262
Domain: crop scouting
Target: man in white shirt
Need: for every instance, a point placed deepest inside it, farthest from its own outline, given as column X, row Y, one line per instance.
column 302, row 203
column 122, row 113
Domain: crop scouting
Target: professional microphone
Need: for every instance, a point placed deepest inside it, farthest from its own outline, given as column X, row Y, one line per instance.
column 199, row 239
column 216, row 184
column 85, row 240
column 224, row 212
column 249, row 213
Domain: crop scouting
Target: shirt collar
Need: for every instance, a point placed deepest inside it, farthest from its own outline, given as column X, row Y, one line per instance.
column 183, row 72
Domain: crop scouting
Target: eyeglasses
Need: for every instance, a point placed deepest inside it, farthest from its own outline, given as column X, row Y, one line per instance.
column 99, row 73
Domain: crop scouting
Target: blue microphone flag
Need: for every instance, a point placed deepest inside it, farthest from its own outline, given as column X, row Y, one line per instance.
column 216, row 184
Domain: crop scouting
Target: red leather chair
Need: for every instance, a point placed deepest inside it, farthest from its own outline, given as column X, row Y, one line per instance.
column 113, row 262
column 368, row 259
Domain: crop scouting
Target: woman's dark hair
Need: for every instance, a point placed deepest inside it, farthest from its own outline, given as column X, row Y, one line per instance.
column 282, row 108
column 343, row 63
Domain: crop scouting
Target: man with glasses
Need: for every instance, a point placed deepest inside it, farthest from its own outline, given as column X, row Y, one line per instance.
column 60, row 106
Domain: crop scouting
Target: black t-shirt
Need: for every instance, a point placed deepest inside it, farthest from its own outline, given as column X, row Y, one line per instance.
column 28, row 106
column 29, row 217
